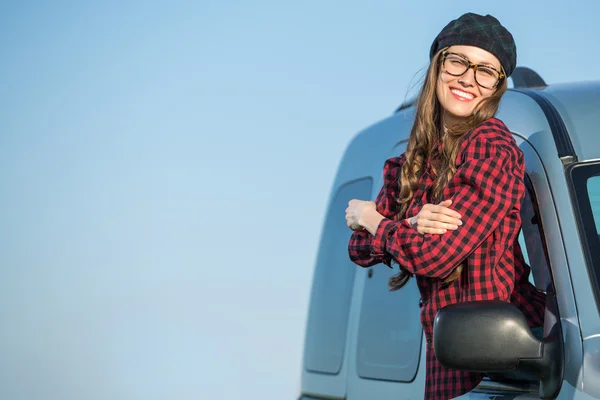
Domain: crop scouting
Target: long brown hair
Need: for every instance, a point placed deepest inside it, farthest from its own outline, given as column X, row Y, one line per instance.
column 425, row 137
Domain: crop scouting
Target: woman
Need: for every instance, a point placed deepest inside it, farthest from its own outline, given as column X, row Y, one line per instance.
column 465, row 248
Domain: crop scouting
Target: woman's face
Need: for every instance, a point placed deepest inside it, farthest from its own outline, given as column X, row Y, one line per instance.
column 459, row 95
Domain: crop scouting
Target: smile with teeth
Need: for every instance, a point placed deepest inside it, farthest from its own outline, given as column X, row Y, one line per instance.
column 462, row 95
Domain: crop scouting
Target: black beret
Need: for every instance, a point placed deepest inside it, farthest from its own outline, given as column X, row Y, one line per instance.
column 484, row 32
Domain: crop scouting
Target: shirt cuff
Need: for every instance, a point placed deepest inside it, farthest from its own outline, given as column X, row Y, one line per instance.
column 384, row 230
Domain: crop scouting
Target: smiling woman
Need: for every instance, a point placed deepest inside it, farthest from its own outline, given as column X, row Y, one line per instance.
column 462, row 175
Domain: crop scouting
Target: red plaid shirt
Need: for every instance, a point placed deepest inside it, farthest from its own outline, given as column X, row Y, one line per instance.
column 487, row 190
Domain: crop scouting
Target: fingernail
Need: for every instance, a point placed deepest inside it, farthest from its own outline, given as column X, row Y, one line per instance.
column 459, row 222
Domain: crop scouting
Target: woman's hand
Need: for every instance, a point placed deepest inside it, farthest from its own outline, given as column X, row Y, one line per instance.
column 354, row 212
column 436, row 219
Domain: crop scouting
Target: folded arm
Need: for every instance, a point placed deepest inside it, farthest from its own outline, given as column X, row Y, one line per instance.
column 485, row 188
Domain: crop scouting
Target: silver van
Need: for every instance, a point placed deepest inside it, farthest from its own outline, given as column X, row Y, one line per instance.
column 364, row 342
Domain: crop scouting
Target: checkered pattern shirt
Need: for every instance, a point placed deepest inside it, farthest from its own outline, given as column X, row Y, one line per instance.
column 487, row 190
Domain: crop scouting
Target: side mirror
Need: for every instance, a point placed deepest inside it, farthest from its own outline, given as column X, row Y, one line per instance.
column 493, row 336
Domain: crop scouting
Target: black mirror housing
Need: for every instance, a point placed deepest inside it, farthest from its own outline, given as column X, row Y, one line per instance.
column 483, row 336
column 493, row 336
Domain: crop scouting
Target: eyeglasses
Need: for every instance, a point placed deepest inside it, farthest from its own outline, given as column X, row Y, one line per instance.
column 457, row 65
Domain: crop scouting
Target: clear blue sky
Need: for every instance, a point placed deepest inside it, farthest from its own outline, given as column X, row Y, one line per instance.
column 165, row 168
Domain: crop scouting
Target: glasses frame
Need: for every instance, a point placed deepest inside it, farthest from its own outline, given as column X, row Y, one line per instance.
column 501, row 74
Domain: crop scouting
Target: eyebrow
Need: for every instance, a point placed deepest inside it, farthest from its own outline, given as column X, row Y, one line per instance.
column 481, row 63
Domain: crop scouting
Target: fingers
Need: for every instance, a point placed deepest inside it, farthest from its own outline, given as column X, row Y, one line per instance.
column 351, row 221
column 437, row 219
column 433, row 231
column 428, row 213
column 352, row 225
column 430, row 223
column 444, row 219
column 440, row 209
column 355, row 202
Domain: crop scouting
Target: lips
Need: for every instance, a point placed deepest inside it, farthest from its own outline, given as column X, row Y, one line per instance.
column 461, row 94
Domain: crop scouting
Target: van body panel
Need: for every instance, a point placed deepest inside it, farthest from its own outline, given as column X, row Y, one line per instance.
column 579, row 106
column 591, row 366
column 367, row 152
column 569, row 392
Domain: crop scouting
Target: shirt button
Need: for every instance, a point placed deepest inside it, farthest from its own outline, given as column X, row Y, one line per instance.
column 428, row 339
column 422, row 303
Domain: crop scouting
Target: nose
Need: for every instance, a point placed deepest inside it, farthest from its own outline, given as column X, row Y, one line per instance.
column 468, row 78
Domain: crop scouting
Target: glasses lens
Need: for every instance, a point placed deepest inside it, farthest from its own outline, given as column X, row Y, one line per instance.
column 455, row 65
column 486, row 77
